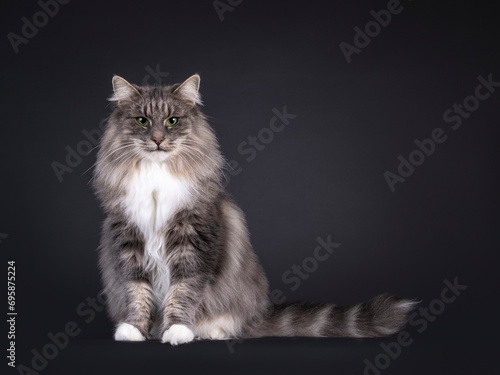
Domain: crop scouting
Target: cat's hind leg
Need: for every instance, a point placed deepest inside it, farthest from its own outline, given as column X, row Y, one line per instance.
column 222, row 327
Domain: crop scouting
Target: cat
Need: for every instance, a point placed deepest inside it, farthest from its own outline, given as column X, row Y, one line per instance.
column 175, row 255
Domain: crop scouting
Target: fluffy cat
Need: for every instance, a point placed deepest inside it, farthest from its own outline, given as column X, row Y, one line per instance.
column 175, row 255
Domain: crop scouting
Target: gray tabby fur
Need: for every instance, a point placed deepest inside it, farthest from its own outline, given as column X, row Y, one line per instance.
column 175, row 254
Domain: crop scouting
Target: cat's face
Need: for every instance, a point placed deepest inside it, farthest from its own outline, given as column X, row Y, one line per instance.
column 157, row 123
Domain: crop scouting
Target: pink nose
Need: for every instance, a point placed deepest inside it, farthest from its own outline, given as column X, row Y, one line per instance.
column 158, row 140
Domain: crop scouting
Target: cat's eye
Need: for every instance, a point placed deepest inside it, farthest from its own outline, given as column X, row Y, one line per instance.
column 171, row 121
column 143, row 121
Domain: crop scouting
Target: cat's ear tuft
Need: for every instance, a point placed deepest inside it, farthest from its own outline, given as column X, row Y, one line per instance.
column 122, row 90
column 189, row 90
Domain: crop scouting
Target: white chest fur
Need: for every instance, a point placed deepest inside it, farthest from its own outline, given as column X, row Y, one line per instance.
column 153, row 196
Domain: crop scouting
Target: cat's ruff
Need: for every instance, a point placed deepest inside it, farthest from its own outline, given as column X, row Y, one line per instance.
column 154, row 194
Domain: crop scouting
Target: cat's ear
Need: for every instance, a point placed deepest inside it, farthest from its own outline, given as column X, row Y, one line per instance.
column 122, row 90
column 188, row 90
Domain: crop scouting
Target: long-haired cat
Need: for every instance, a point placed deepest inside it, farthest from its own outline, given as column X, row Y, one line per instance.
column 175, row 255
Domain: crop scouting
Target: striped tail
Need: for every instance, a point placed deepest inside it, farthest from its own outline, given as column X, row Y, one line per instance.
column 383, row 315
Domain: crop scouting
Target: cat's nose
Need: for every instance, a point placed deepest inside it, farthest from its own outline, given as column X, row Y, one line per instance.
column 158, row 140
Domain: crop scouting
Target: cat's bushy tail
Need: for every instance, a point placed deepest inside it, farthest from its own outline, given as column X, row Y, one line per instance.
column 383, row 315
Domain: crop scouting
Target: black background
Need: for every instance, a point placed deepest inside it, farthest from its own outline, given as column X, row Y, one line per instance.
column 322, row 175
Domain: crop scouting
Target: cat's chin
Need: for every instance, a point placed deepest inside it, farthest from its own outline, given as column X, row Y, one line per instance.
column 157, row 155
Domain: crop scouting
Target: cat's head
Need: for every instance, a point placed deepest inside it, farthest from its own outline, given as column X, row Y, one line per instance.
column 161, row 124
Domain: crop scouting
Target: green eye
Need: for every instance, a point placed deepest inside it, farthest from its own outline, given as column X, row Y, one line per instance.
column 143, row 121
column 172, row 121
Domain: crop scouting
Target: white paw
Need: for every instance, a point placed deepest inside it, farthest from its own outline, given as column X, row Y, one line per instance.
column 217, row 334
column 127, row 332
column 177, row 334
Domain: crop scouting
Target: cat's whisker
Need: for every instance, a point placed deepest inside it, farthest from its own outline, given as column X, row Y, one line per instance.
column 124, row 158
column 94, row 176
column 198, row 152
column 187, row 154
column 106, row 156
column 118, row 149
column 126, row 151
column 206, row 165
column 185, row 161
column 92, row 149
column 195, row 143
column 191, row 154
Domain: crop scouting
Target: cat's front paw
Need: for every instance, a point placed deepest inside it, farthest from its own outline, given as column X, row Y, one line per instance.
column 127, row 332
column 177, row 334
